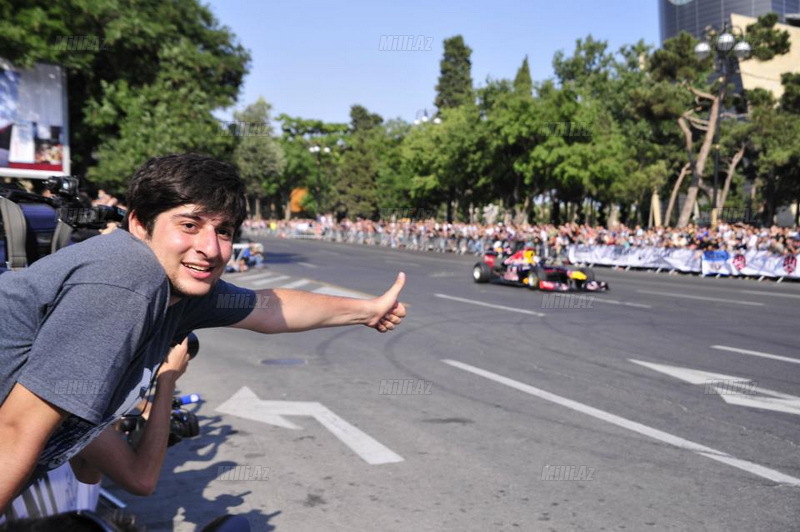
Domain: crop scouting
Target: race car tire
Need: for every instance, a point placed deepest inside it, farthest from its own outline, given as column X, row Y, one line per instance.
column 481, row 273
column 534, row 276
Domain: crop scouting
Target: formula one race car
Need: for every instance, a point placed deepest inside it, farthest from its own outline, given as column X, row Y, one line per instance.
column 524, row 268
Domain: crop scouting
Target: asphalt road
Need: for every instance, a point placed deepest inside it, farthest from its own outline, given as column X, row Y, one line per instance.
column 487, row 410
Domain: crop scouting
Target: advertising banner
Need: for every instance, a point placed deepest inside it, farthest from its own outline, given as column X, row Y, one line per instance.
column 747, row 263
column 33, row 121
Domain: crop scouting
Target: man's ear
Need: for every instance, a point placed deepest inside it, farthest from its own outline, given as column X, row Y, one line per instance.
column 136, row 228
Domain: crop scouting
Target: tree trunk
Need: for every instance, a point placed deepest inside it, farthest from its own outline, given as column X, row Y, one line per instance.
column 797, row 213
column 287, row 214
column 527, row 208
column 655, row 208
column 771, row 200
column 674, row 196
column 698, row 168
column 555, row 212
column 613, row 215
column 737, row 157
column 450, row 198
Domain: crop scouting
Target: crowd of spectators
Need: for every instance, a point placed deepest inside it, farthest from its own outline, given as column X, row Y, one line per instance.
column 549, row 240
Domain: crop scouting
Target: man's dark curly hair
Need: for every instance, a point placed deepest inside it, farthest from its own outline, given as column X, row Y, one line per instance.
column 163, row 183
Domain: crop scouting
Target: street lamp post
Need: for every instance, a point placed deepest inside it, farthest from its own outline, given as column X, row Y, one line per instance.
column 725, row 46
column 318, row 151
column 423, row 118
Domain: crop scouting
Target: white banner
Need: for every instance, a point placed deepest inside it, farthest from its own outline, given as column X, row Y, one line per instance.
column 685, row 260
column 749, row 263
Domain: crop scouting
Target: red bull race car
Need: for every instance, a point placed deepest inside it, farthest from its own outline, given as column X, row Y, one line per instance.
column 523, row 268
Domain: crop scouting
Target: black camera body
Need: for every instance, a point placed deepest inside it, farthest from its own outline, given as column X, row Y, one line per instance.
column 182, row 423
column 33, row 226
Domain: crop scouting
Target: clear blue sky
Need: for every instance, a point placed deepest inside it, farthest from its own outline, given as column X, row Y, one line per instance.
column 314, row 59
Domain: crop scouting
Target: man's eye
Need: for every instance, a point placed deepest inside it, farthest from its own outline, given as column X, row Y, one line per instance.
column 189, row 225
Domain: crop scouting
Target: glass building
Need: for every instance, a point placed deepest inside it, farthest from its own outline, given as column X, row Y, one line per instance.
column 693, row 16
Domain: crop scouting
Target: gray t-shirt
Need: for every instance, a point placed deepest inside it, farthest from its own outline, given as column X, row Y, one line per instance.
column 86, row 328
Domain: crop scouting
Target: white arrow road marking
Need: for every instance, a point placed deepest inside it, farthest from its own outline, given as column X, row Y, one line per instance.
column 788, row 406
column 246, row 404
column 692, row 376
column 725, row 458
column 756, row 353
column 733, row 390
column 482, row 304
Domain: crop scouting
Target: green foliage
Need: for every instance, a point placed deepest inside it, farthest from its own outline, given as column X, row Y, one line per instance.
column 603, row 132
column 147, row 88
column 676, row 61
column 455, row 80
column 764, row 40
column 258, row 155
column 523, row 84
column 790, row 100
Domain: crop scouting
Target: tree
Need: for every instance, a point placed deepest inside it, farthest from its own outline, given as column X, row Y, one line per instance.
column 676, row 62
column 317, row 173
column 357, row 191
column 152, row 81
column 523, row 84
column 790, row 100
column 455, row 78
column 258, row 155
column 446, row 160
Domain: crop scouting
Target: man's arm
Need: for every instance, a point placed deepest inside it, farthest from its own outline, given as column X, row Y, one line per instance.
column 295, row 310
column 26, row 423
column 137, row 470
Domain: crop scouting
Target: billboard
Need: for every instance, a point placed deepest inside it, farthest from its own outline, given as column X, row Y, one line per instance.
column 34, row 135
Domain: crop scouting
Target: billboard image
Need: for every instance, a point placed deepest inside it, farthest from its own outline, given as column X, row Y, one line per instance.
column 33, row 121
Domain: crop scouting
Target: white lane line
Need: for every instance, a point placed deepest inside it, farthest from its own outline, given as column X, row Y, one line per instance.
column 756, row 353
column 250, row 276
column 702, row 298
column 296, row 284
column 756, row 292
column 308, row 265
column 615, row 302
column 271, row 280
column 333, row 291
column 639, row 428
column 482, row 304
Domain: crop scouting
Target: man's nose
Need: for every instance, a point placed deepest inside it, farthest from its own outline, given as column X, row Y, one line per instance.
column 207, row 243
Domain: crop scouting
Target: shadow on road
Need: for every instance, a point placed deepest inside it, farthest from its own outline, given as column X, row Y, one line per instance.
column 190, row 471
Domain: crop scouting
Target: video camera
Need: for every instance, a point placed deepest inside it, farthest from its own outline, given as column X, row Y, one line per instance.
column 33, row 226
column 183, row 423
